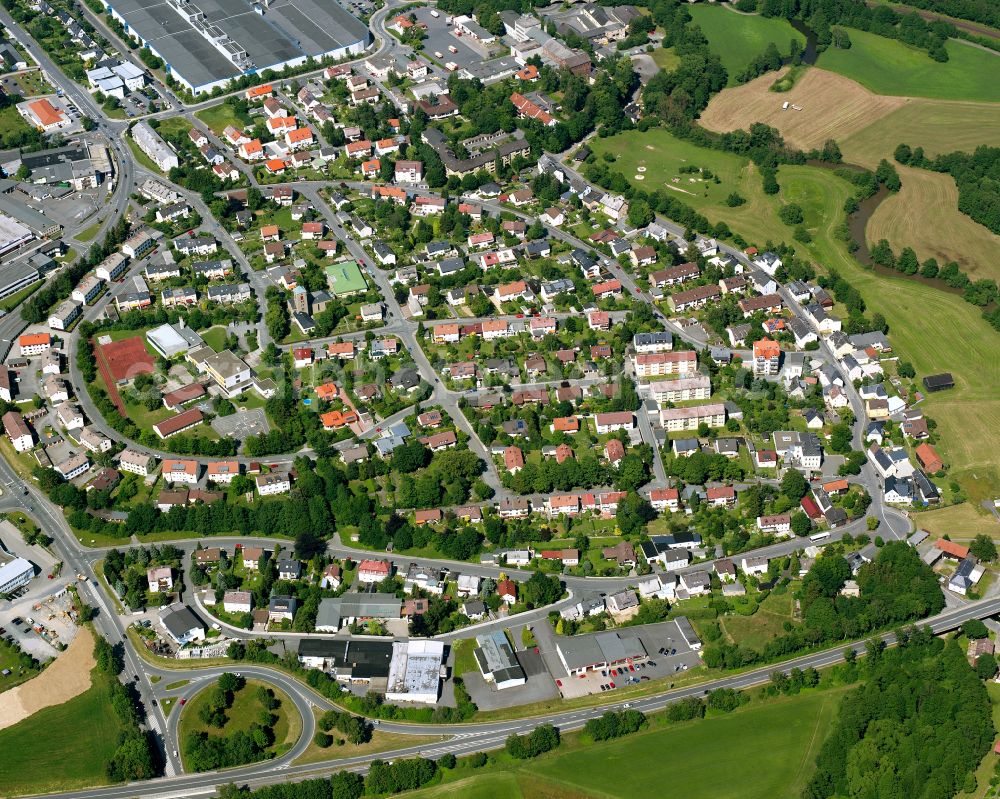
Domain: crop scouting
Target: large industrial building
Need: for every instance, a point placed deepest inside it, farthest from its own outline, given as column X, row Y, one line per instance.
column 208, row 43
column 415, row 671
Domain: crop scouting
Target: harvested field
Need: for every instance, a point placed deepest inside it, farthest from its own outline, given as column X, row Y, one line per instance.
column 939, row 126
column 66, row 677
column 924, row 215
column 833, row 107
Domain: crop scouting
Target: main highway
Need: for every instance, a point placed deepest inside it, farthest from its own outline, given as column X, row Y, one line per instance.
column 461, row 738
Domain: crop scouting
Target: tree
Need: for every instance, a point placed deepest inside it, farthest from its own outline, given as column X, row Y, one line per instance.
column 974, row 628
column 794, row 485
column 986, row 667
column 983, row 548
column 800, row 523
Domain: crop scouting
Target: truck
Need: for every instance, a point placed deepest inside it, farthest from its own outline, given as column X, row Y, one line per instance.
column 451, row 66
column 452, row 48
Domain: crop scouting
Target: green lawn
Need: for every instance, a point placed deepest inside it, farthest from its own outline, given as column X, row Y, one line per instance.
column 9, row 659
column 665, row 58
column 218, row 117
column 887, row 66
column 215, row 337
column 769, row 751
column 739, row 38
column 242, row 714
column 88, row 234
column 7, row 303
column 819, row 192
column 11, row 124
column 60, row 748
column 767, row 623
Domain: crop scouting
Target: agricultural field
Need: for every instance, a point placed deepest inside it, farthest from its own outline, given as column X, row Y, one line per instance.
column 939, row 126
column 961, row 522
column 772, row 747
column 833, row 107
column 924, row 215
column 28, row 766
column 739, row 38
column 887, row 66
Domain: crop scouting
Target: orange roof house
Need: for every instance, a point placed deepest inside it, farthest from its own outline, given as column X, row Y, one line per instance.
column 566, row 424
column 928, row 458
column 259, row 92
column 327, row 391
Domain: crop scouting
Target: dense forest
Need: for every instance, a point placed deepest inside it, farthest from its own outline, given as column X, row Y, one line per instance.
column 977, row 176
column 986, row 11
column 916, row 728
column 896, row 588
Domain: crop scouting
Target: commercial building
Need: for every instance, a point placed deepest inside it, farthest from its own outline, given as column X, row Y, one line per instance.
column 582, row 653
column 348, row 608
column 15, row 574
column 497, row 660
column 415, row 671
column 349, row 660
column 204, row 46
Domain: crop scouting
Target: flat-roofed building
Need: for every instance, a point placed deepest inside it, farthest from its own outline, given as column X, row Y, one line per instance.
column 498, row 661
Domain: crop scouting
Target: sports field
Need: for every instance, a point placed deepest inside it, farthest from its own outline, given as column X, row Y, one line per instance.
column 739, row 38
column 887, row 66
column 924, row 215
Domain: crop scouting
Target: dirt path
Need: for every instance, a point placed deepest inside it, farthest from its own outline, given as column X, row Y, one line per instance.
column 66, row 677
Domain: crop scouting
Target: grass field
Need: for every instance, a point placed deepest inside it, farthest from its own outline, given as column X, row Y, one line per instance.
column 380, row 742
column 924, row 215
column 218, row 117
column 11, row 123
column 215, row 337
column 961, row 522
column 665, row 58
column 833, row 107
column 83, row 731
column 88, row 234
column 887, row 66
column 766, row 624
column 938, row 126
column 739, row 38
column 242, row 714
column 769, row 748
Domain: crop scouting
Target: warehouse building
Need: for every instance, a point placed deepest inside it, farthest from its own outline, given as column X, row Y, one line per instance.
column 204, row 46
column 498, row 661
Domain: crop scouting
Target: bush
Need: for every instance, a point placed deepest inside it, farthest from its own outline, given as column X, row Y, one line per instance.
column 447, row 761
column 323, row 739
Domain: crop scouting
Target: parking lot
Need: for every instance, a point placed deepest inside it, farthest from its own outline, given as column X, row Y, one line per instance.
column 539, row 687
column 242, row 424
column 665, row 636
column 441, row 36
